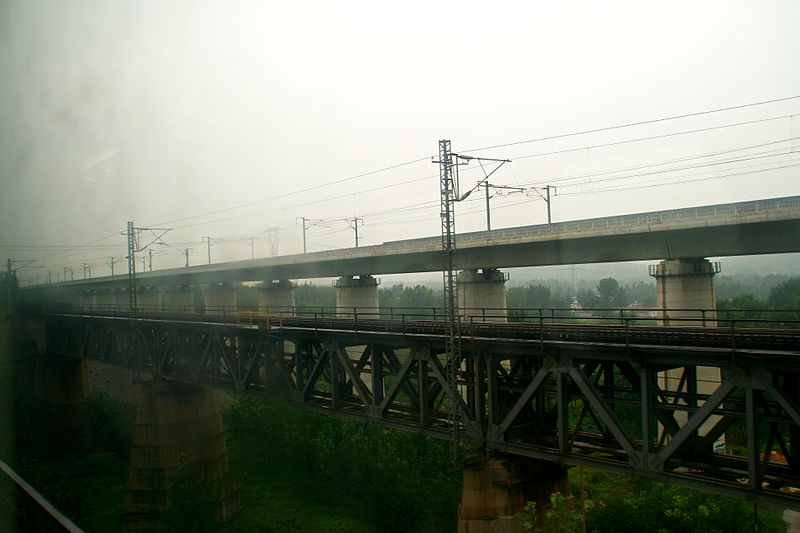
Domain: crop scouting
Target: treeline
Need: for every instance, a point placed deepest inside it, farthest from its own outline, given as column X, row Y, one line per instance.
column 778, row 310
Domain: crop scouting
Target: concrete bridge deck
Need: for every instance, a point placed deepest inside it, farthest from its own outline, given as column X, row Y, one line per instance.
column 743, row 228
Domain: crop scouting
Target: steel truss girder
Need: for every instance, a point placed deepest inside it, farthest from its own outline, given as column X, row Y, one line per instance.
column 571, row 404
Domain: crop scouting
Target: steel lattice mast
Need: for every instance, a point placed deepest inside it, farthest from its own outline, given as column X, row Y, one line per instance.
column 448, row 188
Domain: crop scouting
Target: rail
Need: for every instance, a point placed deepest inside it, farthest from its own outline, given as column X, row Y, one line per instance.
column 34, row 509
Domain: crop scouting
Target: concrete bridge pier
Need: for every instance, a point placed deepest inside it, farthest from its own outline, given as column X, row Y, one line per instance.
column 178, row 298
column 497, row 489
column 685, row 297
column 357, row 294
column 102, row 299
column 482, row 294
column 219, row 298
column 686, row 284
column 177, row 424
column 148, row 298
column 276, row 296
column 85, row 298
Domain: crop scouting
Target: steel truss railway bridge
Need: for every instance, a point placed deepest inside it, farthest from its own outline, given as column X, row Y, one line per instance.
column 617, row 397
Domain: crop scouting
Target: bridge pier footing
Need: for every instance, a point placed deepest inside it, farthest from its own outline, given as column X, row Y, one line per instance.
column 496, row 491
column 276, row 296
column 357, row 294
column 177, row 425
column 482, row 294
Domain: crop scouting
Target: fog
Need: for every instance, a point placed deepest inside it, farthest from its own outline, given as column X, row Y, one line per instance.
column 221, row 119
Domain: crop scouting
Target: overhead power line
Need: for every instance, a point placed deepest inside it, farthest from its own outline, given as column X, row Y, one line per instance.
column 632, row 124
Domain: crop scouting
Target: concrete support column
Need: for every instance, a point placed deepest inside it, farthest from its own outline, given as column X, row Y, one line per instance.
column 482, row 294
column 103, row 299
column 357, row 294
column 685, row 290
column 85, row 298
column 496, row 491
column 219, row 298
column 276, row 296
column 148, row 298
column 175, row 422
column 178, row 299
column 686, row 284
column 120, row 299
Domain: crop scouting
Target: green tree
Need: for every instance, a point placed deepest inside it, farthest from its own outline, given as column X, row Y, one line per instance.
column 611, row 293
column 785, row 295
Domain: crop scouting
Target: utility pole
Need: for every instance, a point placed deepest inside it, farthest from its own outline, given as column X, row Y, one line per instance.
column 186, row 252
column 209, row 248
column 486, row 185
column 252, row 248
column 353, row 223
column 71, row 276
column 49, row 276
column 111, row 262
column 546, row 198
column 87, row 267
column 308, row 223
column 150, row 258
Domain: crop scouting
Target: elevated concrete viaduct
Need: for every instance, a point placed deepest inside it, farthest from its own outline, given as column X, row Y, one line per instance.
column 680, row 239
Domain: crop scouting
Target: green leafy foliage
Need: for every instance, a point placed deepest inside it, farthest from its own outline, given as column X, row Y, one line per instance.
column 416, row 299
column 400, row 479
column 194, row 501
column 559, row 517
column 635, row 505
column 785, row 295
column 110, row 423
column 317, row 296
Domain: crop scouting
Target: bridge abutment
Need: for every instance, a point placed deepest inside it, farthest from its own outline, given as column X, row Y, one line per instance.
column 357, row 294
column 276, row 296
column 496, row 491
column 219, row 297
column 482, row 294
column 177, row 425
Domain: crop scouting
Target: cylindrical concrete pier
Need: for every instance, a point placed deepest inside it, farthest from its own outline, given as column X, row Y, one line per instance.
column 495, row 493
column 219, row 298
column 685, row 290
column 482, row 294
column 103, row 299
column 148, row 298
column 178, row 299
column 276, row 296
column 357, row 294
column 685, row 297
column 176, row 422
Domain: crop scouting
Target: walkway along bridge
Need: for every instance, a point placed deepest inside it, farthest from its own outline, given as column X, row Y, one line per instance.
column 621, row 397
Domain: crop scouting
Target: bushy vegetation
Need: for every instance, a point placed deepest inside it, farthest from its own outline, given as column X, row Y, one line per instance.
column 399, row 480
column 780, row 309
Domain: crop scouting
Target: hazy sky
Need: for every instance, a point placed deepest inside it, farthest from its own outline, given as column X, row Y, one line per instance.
column 157, row 111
